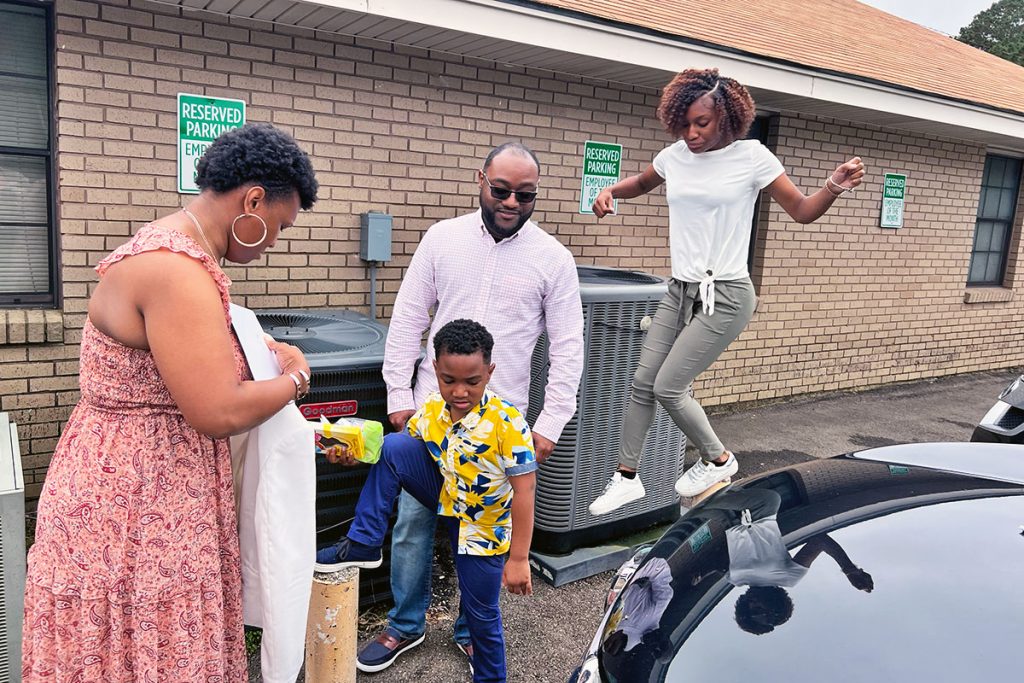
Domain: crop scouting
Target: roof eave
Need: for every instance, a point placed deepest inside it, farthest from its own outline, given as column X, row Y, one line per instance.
column 548, row 38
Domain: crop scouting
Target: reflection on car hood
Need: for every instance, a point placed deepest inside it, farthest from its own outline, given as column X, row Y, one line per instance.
column 893, row 571
column 1004, row 462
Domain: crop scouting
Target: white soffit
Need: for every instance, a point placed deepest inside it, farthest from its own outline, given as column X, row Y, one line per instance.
column 509, row 33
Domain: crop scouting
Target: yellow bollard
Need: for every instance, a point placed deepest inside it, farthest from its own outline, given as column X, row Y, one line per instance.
column 332, row 627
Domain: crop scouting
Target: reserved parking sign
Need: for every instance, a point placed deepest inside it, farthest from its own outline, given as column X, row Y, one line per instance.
column 200, row 120
column 893, row 194
column 601, row 164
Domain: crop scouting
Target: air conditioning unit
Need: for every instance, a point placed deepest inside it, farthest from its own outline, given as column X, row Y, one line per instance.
column 345, row 351
column 12, row 551
column 617, row 308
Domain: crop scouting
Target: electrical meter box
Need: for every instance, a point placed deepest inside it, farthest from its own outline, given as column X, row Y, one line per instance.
column 375, row 236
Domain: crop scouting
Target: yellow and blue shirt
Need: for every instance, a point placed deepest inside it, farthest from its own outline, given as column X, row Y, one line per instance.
column 477, row 455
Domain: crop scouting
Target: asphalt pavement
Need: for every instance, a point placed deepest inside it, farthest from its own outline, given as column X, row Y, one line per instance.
column 547, row 632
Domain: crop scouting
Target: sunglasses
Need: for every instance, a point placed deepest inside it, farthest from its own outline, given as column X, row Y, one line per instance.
column 502, row 193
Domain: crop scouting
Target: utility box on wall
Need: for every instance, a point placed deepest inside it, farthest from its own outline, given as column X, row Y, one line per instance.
column 375, row 236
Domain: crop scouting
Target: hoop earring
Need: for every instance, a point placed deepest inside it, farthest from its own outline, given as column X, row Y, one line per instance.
column 247, row 215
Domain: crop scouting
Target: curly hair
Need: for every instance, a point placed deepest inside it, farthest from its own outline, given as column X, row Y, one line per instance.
column 732, row 102
column 464, row 337
column 260, row 154
column 762, row 608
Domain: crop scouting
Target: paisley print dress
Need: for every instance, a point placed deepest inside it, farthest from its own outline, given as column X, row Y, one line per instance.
column 134, row 575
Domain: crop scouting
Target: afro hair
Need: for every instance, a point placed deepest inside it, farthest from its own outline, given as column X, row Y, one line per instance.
column 464, row 337
column 258, row 154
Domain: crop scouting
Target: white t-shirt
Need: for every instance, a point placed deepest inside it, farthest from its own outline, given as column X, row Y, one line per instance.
column 758, row 556
column 711, row 199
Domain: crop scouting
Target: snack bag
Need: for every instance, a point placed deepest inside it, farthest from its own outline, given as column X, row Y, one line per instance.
column 362, row 438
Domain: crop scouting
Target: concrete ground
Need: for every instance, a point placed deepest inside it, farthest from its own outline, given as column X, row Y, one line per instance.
column 546, row 633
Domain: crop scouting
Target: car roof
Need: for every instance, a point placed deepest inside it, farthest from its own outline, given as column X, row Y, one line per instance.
column 937, row 527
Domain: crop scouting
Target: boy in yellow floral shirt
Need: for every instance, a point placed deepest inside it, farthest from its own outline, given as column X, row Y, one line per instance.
column 469, row 454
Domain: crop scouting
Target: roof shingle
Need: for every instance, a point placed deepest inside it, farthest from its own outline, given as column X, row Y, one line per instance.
column 842, row 36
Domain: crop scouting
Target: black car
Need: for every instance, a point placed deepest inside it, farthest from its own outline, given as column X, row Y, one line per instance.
column 903, row 563
column 1004, row 422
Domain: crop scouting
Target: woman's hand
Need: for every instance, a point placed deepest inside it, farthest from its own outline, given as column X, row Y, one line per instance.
column 289, row 358
column 850, row 174
column 516, row 577
column 604, row 204
column 860, row 579
column 628, row 188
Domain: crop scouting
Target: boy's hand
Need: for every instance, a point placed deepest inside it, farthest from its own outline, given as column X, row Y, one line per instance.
column 516, row 577
column 340, row 455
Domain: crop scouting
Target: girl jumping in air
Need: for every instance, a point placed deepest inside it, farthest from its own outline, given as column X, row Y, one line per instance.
column 713, row 177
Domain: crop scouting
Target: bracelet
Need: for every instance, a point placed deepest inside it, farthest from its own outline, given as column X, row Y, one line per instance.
column 841, row 188
column 305, row 376
column 834, row 194
column 300, row 393
column 298, row 385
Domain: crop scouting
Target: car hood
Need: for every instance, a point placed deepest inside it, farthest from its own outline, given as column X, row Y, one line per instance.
column 879, row 570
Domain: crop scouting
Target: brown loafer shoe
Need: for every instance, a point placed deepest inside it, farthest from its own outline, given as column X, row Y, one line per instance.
column 382, row 652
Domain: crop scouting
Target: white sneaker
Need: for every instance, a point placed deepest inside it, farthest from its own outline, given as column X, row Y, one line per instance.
column 617, row 493
column 703, row 475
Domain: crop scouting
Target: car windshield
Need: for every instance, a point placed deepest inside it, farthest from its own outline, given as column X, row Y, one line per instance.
column 852, row 569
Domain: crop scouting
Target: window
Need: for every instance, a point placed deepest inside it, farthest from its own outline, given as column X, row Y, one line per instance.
column 27, row 239
column 1000, row 184
column 758, row 131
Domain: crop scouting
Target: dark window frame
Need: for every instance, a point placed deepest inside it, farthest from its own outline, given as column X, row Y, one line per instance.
column 759, row 130
column 1008, row 223
column 50, row 298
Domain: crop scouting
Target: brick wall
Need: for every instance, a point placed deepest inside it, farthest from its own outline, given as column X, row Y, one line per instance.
column 844, row 304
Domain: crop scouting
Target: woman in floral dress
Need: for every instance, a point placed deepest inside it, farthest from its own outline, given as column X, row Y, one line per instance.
column 135, row 571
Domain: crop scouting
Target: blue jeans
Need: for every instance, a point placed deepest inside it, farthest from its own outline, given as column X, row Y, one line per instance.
column 412, row 558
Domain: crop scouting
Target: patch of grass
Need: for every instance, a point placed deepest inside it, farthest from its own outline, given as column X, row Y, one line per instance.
column 253, row 639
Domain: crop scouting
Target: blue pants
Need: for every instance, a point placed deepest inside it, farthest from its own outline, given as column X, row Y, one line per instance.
column 412, row 556
column 406, row 464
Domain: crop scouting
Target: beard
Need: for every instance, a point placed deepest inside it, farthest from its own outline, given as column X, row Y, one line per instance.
column 498, row 232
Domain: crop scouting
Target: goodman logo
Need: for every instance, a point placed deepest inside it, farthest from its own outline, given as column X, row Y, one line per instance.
column 313, row 411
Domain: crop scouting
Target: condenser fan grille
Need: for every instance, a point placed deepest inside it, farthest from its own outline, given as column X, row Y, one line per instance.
column 308, row 346
column 610, row 276
column 295, row 320
column 320, row 334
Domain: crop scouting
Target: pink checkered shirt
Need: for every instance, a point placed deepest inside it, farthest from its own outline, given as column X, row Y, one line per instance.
column 516, row 288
